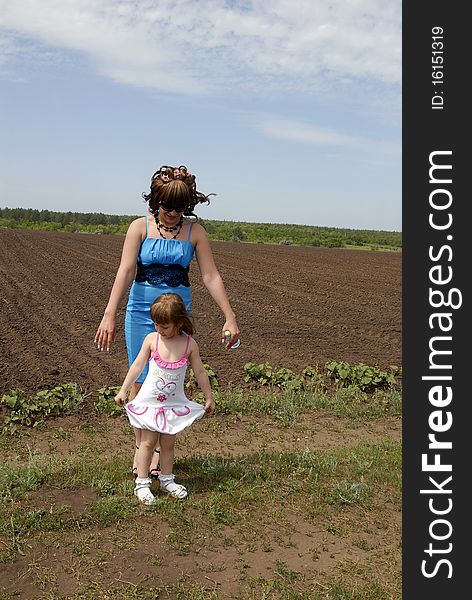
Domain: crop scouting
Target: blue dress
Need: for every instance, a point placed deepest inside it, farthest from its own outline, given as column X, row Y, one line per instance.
column 162, row 268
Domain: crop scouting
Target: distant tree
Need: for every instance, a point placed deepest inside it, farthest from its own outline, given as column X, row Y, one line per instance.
column 238, row 234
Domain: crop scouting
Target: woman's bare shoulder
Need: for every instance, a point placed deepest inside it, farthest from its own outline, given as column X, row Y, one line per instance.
column 137, row 227
column 199, row 231
column 139, row 222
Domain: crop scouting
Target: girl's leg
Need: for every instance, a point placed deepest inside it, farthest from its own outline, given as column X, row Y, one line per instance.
column 154, row 468
column 166, row 478
column 142, row 488
column 144, row 454
column 167, row 453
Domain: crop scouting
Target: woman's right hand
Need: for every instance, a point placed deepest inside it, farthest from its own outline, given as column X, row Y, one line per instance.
column 105, row 335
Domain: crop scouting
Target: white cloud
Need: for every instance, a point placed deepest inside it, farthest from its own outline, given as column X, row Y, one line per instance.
column 216, row 46
column 282, row 128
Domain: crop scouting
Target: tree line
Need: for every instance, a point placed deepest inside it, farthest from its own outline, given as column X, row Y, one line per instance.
column 227, row 231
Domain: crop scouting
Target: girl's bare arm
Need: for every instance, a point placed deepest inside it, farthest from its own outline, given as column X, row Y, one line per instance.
column 135, row 369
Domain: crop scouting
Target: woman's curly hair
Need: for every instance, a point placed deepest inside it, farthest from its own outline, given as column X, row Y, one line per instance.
column 176, row 187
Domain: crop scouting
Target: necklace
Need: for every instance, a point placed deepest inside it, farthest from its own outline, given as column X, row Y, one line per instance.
column 176, row 228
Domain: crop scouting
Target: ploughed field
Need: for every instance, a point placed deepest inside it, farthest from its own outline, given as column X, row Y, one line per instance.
column 296, row 307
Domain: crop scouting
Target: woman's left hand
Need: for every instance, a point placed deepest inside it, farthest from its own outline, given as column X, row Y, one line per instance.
column 230, row 325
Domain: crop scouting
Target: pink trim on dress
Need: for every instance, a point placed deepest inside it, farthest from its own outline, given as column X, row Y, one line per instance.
column 160, row 411
column 181, row 414
column 131, row 408
column 170, row 364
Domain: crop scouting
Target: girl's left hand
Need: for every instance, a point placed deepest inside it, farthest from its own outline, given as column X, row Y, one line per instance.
column 210, row 407
column 230, row 325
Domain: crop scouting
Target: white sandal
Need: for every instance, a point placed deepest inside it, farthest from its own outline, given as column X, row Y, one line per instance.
column 143, row 492
column 168, row 485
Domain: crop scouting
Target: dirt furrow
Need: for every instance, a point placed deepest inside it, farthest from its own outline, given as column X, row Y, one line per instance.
column 296, row 306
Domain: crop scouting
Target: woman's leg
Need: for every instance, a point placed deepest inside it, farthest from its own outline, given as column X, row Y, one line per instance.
column 137, row 432
column 155, row 459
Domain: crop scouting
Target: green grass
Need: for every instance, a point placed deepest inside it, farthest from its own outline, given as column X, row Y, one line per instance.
column 223, row 491
column 286, row 584
column 243, row 504
column 259, row 589
column 286, row 405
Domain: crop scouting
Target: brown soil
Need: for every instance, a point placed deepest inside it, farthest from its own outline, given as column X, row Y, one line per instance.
column 296, row 306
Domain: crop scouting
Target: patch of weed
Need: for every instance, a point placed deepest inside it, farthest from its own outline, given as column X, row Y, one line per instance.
column 105, row 403
column 31, row 410
column 365, row 377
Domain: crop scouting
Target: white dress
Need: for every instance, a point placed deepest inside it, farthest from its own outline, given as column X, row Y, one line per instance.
column 161, row 404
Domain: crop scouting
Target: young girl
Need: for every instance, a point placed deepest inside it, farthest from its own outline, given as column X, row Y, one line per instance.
column 161, row 409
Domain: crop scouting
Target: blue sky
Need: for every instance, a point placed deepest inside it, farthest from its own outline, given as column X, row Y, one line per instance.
column 290, row 111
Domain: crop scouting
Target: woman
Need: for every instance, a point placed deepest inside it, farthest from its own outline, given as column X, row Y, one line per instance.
column 157, row 252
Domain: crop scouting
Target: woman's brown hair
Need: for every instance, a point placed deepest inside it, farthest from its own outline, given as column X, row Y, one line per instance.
column 176, row 188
